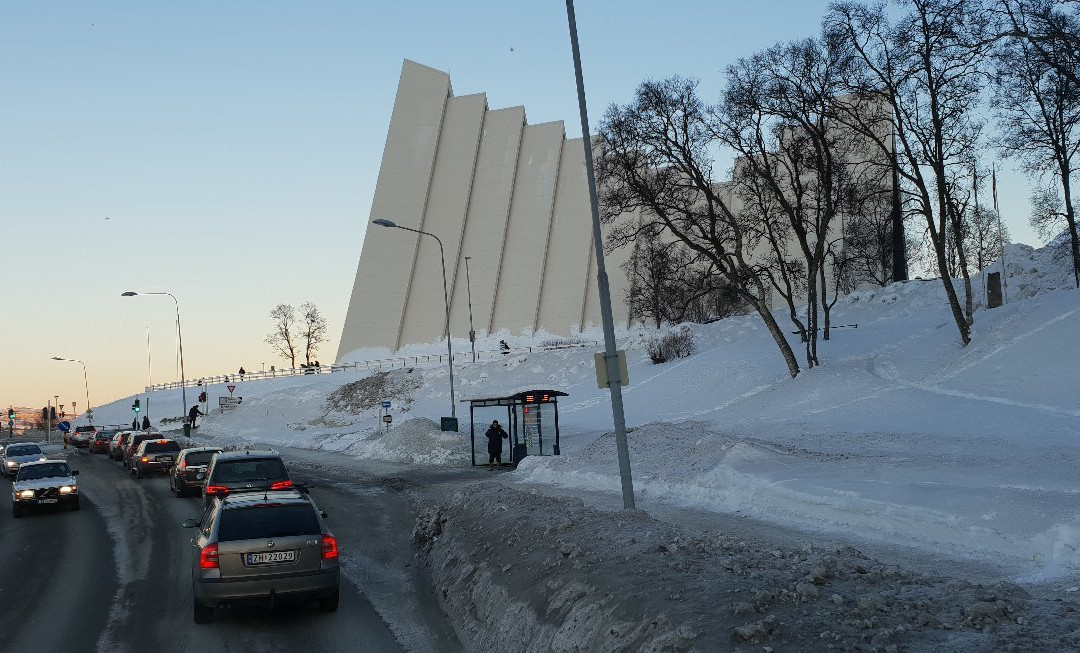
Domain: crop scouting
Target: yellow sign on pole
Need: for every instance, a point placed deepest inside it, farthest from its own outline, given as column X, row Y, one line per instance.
column 602, row 380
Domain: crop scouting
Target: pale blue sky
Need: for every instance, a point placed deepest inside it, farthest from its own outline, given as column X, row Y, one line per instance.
column 227, row 152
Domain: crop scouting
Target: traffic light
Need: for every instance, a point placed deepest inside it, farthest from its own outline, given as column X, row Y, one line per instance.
column 11, row 413
column 135, row 406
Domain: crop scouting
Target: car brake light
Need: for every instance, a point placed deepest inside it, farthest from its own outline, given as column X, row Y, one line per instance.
column 281, row 485
column 183, row 464
column 146, row 459
column 329, row 547
column 208, row 557
column 217, row 489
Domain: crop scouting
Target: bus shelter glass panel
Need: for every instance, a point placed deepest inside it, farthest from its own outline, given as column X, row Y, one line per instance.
column 537, row 428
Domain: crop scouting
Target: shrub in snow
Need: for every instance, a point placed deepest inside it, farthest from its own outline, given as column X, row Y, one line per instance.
column 556, row 343
column 672, row 345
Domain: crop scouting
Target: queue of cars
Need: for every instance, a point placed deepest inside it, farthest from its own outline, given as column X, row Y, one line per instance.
column 261, row 538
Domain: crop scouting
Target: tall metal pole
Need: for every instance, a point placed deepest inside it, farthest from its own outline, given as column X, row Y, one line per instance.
column 468, row 288
column 610, row 355
column 179, row 342
column 382, row 222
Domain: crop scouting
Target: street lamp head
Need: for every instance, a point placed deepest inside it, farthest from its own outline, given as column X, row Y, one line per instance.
column 130, row 293
column 383, row 222
column 57, row 358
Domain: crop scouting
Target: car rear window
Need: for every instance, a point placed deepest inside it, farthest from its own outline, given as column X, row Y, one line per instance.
column 199, row 457
column 157, row 447
column 267, row 520
column 249, row 469
column 48, row 470
column 84, row 429
column 22, row 450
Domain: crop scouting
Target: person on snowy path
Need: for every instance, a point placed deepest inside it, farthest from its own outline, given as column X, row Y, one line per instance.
column 495, row 435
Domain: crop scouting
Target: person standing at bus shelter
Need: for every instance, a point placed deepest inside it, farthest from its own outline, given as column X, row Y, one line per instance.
column 495, row 435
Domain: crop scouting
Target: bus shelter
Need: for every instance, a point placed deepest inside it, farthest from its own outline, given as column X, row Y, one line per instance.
column 531, row 421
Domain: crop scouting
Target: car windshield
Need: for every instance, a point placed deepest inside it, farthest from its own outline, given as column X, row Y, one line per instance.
column 23, row 450
column 267, row 520
column 47, row 470
column 158, row 447
column 199, row 457
column 259, row 469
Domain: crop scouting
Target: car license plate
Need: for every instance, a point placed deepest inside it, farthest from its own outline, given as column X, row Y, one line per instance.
column 271, row 557
column 48, row 500
column 164, row 459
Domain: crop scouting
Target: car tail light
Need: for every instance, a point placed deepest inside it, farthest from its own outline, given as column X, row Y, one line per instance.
column 146, row 459
column 183, row 464
column 217, row 489
column 329, row 547
column 281, row 485
column 208, row 557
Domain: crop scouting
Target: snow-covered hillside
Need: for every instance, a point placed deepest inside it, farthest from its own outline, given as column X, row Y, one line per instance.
column 901, row 435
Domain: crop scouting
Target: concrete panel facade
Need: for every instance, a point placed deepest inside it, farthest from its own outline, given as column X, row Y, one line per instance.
column 379, row 291
column 485, row 226
column 566, row 267
column 512, row 197
column 517, row 293
column 444, row 216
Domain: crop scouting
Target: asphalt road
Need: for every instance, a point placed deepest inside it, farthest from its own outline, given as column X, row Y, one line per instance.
column 115, row 576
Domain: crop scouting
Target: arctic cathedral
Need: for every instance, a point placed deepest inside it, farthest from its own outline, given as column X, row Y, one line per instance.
column 507, row 200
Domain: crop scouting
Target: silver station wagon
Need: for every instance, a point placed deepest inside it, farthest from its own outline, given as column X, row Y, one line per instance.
column 262, row 548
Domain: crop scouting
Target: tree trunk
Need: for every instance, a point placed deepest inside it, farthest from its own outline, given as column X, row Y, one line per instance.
column 1070, row 220
column 824, row 303
column 950, row 291
column 762, row 307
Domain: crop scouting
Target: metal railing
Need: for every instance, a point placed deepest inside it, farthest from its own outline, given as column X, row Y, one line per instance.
column 378, row 364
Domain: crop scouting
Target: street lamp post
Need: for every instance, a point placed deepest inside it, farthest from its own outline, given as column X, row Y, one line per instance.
column 382, row 222
column 610, row 354
column 86, row 382
column 468, row 288
column 179, row 340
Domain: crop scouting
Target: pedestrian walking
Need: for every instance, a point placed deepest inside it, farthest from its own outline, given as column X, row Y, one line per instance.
column 495, row 435
column 193, row 413
column 242, row 373
column 145, row 423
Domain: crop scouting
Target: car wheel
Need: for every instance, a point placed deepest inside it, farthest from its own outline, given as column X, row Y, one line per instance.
column 200, row 613
column 16, row 510
column 135, row 472
column 330, row 603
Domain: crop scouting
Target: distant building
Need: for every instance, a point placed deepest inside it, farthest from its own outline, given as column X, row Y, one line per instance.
column 512, row 197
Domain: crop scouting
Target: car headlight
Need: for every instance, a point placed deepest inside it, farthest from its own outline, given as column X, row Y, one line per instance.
column 11, row 463
column 26, row 494
column 68, row 489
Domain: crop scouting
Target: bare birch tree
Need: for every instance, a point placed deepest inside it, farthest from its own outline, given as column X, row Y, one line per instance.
column 282, row 338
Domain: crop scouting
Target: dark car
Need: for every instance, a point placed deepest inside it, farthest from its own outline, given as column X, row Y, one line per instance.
column 190, row 464
column 100, row 441
column 133, row 442
column 154, row 456
column 254, row 550
column 240, row 471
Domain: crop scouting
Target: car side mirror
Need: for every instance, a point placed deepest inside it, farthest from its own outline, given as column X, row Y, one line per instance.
column 75, row 472
column 324, row 515
column 200, row 476
column 190, row 523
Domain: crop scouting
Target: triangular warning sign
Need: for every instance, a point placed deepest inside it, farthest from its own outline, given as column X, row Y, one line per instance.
column 231, row 388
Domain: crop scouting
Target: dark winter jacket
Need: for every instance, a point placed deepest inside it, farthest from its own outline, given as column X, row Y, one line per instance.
column 194, row 412
column 495, row 436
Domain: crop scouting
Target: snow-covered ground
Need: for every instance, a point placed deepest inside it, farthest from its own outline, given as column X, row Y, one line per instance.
column 900, row 436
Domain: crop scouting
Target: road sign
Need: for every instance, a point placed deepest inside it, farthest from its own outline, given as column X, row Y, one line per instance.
column 230, row 388
column 386, row 404
column 228, row 403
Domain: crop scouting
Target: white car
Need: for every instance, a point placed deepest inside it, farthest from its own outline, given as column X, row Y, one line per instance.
column 44, row 482
column 19, row 453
